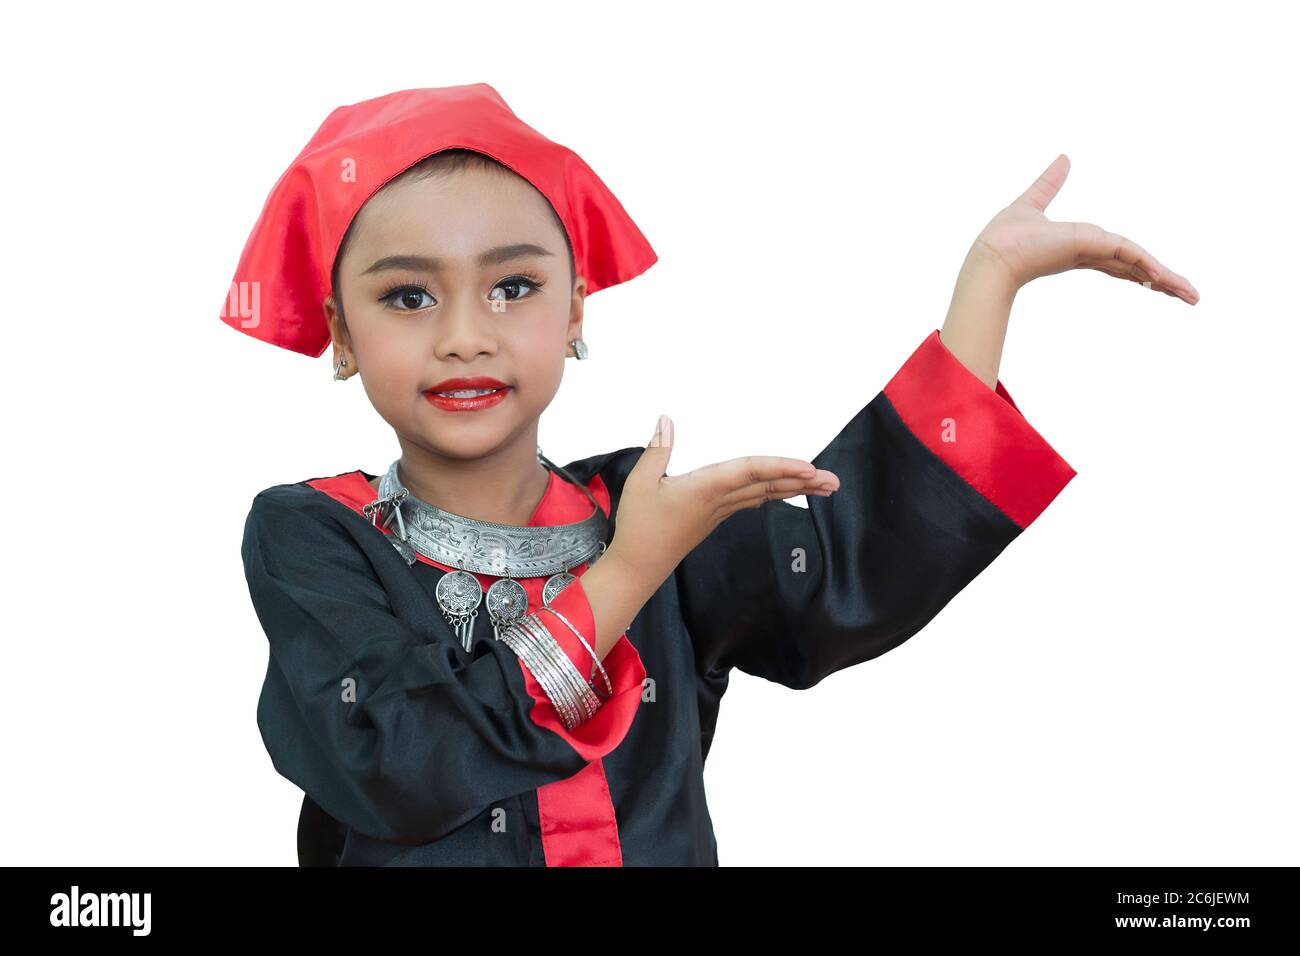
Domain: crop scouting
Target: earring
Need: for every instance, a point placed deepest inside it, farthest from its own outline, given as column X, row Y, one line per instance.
column 337, row 376
column 579, row 348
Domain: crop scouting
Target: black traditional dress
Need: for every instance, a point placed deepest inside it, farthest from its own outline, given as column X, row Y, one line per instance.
column 412, row 751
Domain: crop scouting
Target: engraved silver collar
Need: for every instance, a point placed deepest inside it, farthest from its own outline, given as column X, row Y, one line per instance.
column 486, row 547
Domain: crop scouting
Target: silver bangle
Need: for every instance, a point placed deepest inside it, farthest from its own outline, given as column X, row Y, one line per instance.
column 560, row 686
column 537, row 657
column 573, row 697
column 609, row 686
column 575, row 685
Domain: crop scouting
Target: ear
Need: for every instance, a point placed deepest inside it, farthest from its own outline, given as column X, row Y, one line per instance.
column 574, row 330
column 338, row 331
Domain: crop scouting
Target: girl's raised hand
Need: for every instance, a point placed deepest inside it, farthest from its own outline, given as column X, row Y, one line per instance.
column 1028, row 245
column 662, row 517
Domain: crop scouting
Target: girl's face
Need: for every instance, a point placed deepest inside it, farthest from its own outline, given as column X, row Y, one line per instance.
column 458, row 275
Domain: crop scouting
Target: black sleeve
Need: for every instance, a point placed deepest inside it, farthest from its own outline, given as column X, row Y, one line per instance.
column 391, row 729
column 938, row 473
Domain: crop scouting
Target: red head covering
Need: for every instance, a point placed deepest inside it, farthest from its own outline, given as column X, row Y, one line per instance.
column 284, row 271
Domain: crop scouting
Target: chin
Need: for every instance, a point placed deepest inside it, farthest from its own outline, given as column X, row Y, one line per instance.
column 470, row 444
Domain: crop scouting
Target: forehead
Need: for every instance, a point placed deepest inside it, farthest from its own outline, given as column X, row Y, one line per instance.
column 455, row 214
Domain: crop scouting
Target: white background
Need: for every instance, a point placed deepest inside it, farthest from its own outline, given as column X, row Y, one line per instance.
column 1117, row 688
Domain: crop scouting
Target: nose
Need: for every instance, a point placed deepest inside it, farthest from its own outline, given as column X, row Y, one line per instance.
column 464, row 329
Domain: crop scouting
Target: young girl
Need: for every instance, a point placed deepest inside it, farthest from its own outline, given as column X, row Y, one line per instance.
column 478, row 657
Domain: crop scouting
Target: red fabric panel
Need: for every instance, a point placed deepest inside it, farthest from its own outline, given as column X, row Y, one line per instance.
column 977, row 431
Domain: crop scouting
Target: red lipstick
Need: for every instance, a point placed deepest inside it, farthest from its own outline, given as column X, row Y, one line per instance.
column 467, row 403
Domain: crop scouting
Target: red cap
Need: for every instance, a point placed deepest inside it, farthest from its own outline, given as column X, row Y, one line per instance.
column 284, row 272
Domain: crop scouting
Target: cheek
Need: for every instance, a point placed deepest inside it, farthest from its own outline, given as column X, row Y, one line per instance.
column 394, row 367
column 539, row 365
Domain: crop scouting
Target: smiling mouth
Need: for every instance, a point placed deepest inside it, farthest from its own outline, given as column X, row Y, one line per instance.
column 468, row 392
column 467, row 399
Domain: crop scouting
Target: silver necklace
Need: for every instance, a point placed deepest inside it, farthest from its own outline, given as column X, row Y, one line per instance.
column 504, row 550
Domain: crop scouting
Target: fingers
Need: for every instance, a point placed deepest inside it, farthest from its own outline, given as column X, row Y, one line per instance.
column 1046, row 186
column 756, row 480
column 751, row 469
column 753, row 476
column 1116, row 255
column 823, row 483
column 1120, row 270
column 652, row 465
column 725, row 477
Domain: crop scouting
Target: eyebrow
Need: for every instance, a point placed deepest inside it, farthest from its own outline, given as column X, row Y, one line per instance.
column 492, row 257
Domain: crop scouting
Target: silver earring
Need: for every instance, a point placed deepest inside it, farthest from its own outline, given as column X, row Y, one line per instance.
column 337, row 368
column 579, row 348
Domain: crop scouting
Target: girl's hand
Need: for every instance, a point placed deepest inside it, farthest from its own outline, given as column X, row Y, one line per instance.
column 662, row 517
column 1028, row 245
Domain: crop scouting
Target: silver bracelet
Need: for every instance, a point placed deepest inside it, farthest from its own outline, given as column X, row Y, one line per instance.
column 537, row 657
column 574, row 685
column 581, row 696
column 573, row 697
column 609, row 686
column 560, row 686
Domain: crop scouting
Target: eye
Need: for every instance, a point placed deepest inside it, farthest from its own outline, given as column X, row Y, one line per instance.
column 512, row 284
column 407, row 295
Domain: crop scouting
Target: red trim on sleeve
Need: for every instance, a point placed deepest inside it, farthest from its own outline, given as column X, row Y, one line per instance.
column 604, row 731
column 977, row 431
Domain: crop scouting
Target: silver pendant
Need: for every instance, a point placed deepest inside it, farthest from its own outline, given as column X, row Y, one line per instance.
column 555, row 584
column 507, row 603
column 459, row 595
